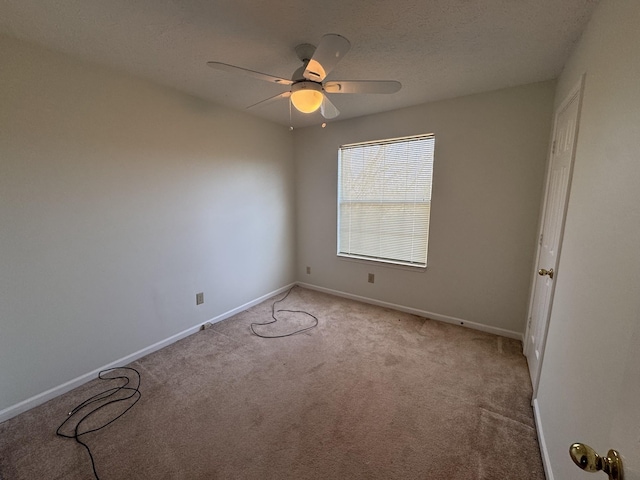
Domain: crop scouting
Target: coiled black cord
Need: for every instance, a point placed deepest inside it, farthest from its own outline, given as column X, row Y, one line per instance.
column 100, row 401
column 275, row 319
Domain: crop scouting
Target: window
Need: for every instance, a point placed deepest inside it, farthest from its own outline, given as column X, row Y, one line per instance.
column 384, row 200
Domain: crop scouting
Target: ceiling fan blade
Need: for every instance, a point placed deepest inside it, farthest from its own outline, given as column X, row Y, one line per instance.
column 362, row 86
column 329, row 52
column 244, row 71
column 271, row 99
column 328, row 109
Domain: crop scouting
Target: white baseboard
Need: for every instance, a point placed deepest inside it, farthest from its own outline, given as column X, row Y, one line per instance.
column 546, row 461
column 40, row 398
column 421, row 313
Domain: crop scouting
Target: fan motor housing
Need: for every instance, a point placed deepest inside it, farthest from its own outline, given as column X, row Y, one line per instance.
column 306, row 85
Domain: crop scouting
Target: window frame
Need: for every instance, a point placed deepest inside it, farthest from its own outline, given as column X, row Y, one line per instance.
column 388, row 262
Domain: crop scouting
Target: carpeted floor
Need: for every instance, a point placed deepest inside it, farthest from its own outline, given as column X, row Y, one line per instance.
column 370, row 393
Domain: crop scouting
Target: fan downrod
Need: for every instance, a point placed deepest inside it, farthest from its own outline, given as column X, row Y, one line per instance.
column 305, row 51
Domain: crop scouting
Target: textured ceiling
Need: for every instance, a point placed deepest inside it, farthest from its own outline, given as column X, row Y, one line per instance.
column 436, row 48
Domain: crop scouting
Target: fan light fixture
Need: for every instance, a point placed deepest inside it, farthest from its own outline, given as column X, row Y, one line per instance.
column 306, row 96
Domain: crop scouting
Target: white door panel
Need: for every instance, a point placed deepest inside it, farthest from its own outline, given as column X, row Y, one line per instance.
column 608, row 405
column 554, row 209
column 625, row 414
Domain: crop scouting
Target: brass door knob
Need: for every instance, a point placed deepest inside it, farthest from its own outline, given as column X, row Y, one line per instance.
column 588, row 460
column 542, row 272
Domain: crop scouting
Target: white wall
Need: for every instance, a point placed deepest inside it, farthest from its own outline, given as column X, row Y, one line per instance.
column 490, row 158
column 590, row 379
column 119, row 200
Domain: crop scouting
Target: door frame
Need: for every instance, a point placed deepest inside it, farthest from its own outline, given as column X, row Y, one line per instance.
column 576, row 92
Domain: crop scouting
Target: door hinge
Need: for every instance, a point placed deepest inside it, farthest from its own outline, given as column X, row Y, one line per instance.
column 540, row 241
column 553, row 147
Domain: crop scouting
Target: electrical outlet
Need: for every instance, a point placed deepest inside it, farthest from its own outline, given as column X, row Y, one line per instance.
column 308, row 270
column 199, row 298
column 372, row 278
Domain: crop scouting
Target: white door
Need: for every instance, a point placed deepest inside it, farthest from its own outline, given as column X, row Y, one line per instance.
column 596, row 397
column 622, row 432
column 550, row 236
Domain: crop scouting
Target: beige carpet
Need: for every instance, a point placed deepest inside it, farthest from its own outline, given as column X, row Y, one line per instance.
column 370, row 393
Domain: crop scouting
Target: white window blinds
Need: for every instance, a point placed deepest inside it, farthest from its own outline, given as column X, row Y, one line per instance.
column 384, row 200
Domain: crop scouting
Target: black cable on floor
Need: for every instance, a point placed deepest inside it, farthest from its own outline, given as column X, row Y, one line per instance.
column 275, row 319
column 100, row 401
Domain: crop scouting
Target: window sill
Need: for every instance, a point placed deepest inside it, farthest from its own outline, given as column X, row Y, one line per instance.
column 382, row 263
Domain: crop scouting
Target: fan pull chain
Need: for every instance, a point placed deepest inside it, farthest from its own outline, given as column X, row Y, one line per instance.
column 290, row 122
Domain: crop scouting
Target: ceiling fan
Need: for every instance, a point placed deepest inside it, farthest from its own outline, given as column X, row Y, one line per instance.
column 308, row 87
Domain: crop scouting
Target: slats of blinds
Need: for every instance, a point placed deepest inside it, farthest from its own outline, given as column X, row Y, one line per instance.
column 385, row 200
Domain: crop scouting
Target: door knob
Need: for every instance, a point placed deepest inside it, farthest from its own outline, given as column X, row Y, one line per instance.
column 588, row 460
column 542, row 272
